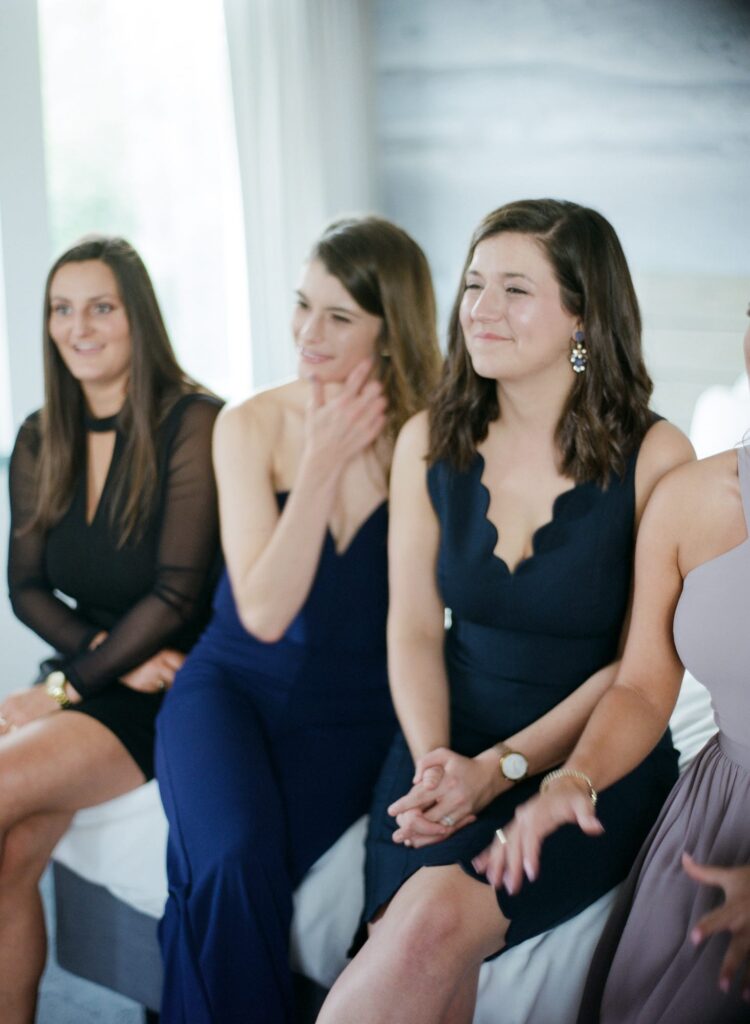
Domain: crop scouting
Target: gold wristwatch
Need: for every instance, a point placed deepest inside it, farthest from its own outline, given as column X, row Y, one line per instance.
column 54, row 684
column 513, row 766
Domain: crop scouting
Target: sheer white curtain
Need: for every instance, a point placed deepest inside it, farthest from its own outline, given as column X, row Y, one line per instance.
column 301, row 88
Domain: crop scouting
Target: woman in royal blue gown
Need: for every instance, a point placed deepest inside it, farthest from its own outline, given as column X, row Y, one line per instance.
column 270, row 743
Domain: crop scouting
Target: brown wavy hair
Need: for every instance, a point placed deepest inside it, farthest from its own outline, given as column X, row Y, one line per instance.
column 156, row 382
column 387, row 274
column 607, row 411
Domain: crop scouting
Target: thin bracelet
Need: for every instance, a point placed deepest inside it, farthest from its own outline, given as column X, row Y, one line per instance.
column 561, row 773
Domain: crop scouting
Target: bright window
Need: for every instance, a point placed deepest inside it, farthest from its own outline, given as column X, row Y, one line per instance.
column 139, row 141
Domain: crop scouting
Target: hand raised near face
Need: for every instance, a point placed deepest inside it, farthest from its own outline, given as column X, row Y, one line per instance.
column 340, row 426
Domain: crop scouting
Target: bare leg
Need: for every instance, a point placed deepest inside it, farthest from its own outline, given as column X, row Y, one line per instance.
column 421, row 962
column 48, row 770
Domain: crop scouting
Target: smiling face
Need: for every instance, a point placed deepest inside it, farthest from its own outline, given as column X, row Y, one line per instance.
column 331, row 331
column 511, row 312
column 88, row 324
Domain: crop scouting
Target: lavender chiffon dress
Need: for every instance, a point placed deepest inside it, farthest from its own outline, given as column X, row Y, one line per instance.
column 646, row 970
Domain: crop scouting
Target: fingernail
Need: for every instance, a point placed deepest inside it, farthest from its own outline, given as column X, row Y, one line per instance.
column 507, row 883
column 695, row 936
column 724, row 984
column 529, row 870
column 407, row 842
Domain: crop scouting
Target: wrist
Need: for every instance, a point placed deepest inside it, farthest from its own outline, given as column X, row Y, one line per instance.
column 55, row 685
column 571, row 777
column 512, row 765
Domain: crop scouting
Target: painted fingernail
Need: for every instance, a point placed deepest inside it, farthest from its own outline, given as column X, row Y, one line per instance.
column 695, row 936
column 507, row 883
column 529, row 870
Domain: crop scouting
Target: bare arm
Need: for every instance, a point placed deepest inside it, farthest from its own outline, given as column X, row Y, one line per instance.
column 272, row 558
column 416, row 633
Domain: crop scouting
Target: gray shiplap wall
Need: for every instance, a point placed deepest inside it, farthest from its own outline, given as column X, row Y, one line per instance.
column 637, row 108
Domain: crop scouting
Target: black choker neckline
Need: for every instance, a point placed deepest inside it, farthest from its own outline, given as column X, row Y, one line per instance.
column 101, row 426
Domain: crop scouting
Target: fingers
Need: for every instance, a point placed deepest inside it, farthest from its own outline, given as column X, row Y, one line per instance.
column 413, row 827
column 357, row 377
column 739, row 947
column 173, row 659
column 434, row 761
column 415, row 799
column 706, row 874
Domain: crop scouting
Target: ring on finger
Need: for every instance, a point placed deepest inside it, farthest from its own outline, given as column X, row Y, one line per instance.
column 501, row 836
column 162, row 686
column 447, row 821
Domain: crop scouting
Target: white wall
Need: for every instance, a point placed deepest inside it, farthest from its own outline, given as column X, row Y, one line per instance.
column 637, row 108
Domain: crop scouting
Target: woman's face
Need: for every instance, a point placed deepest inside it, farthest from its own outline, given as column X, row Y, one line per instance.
column 88, row 323
column 331, row 331
column 511, row 312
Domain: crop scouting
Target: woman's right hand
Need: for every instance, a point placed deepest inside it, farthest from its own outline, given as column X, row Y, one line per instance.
column 346, row 424
column 157, row 673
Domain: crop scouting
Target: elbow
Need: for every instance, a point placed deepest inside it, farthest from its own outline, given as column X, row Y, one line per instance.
column 260, row 624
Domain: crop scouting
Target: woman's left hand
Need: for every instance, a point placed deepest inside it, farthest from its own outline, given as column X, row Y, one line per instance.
column 23, row 707
column 732, row 916
column 449, row 789
column 507, row 860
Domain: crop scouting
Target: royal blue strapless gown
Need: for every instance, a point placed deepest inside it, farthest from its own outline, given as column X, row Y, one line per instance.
column 266, row 754
column 519, row 643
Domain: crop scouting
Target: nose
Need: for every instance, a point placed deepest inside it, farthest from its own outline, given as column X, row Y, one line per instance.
column 489, row 305
column 310, row 329
column 80, row 323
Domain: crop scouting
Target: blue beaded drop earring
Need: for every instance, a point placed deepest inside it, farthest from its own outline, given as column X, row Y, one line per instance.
column 579, row 357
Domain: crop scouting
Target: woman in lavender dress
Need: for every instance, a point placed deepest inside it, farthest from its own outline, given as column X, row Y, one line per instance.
column 674, row 951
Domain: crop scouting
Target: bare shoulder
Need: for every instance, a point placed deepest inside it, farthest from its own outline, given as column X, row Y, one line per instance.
column 259, row 417
column 664, row 447
column 692, row 488
column 414, row 438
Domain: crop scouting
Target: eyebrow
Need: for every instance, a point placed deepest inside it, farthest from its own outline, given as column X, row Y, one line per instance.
column 94, row 298
column 505, row 274
column 332, row 309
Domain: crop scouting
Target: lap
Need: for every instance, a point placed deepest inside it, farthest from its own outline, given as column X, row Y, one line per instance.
column 61, row 763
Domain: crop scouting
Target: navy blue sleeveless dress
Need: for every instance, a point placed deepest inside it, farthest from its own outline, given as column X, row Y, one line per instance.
column 518, row 644
column 266, row 754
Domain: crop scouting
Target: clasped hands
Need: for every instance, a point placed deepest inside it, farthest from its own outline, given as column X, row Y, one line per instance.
column 447, row 793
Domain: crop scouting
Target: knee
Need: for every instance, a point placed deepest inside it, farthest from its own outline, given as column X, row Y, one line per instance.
column 432, row 932
column 25, row 852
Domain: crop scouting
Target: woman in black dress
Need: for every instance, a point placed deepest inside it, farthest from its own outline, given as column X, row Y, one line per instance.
column 113, row 554
column 514, row 504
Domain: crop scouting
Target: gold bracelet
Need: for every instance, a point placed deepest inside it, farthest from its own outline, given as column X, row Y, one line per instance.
column 561, row 773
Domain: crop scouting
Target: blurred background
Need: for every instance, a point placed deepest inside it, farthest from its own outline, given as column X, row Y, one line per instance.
column 220, row 137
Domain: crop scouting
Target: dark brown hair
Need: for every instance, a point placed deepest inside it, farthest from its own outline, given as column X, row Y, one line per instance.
column 155, row 383
column 387, row 274
column 607, row 411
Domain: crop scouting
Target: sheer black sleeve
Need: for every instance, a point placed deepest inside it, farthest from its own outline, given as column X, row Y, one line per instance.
column 186, row 559
column 31, row 594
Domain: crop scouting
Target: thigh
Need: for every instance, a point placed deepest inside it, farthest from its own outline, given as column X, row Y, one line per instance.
column 61, row 763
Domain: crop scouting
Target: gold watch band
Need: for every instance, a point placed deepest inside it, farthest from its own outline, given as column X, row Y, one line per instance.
column 55, row 684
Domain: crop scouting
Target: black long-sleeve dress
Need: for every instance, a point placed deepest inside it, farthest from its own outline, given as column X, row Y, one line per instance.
column 73, row 581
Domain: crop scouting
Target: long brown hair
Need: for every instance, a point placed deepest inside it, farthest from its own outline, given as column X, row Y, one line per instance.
column 387, row 274
column 607, row 411
column 156, row 382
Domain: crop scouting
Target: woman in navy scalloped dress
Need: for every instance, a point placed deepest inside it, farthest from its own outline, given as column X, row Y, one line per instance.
column 273, row 736
column 514, row 504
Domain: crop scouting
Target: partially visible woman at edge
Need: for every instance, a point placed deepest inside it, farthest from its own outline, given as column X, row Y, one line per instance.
column 113, row 505
column 673, row 952
column 514, row 503
column 271, row 741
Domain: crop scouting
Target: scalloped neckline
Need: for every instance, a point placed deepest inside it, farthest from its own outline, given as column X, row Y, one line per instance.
column 493, row 530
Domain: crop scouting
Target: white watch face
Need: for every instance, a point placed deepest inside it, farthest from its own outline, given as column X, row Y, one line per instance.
column 514, row 766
